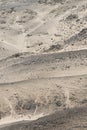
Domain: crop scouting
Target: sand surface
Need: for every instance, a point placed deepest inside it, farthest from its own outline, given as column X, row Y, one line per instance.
column 43, row 65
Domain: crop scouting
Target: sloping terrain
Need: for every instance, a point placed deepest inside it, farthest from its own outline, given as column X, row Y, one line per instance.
column 43, row 65
column 7, row 50
column 24, row 67
column 73, row 119
column 44, row 27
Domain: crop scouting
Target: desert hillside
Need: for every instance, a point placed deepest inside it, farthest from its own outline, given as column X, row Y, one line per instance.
column 43, row 64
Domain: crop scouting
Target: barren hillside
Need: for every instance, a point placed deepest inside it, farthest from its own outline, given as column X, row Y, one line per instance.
column 43, row 64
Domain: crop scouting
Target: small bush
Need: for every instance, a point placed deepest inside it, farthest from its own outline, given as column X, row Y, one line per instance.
column 58, row 103
column 16, row 55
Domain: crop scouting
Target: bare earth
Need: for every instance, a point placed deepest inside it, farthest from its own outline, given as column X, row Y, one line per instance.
column 43, row 65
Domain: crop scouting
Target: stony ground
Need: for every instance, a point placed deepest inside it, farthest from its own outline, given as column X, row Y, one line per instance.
column 43, row 65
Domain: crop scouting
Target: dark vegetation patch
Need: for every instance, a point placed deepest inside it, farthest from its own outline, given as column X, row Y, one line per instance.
column 51, row 1
column 5, row 113
column 58, row 103
column 84, row 101
column 72, row 17
column 54, row 48
column 78, row 37
column 25, row 105
column 16, row 55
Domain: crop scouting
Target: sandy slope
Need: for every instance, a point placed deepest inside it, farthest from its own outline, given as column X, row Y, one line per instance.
column 43, row 65
column 73, row 119
column 6, row 50
column 37, row 27
column 26, row 99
